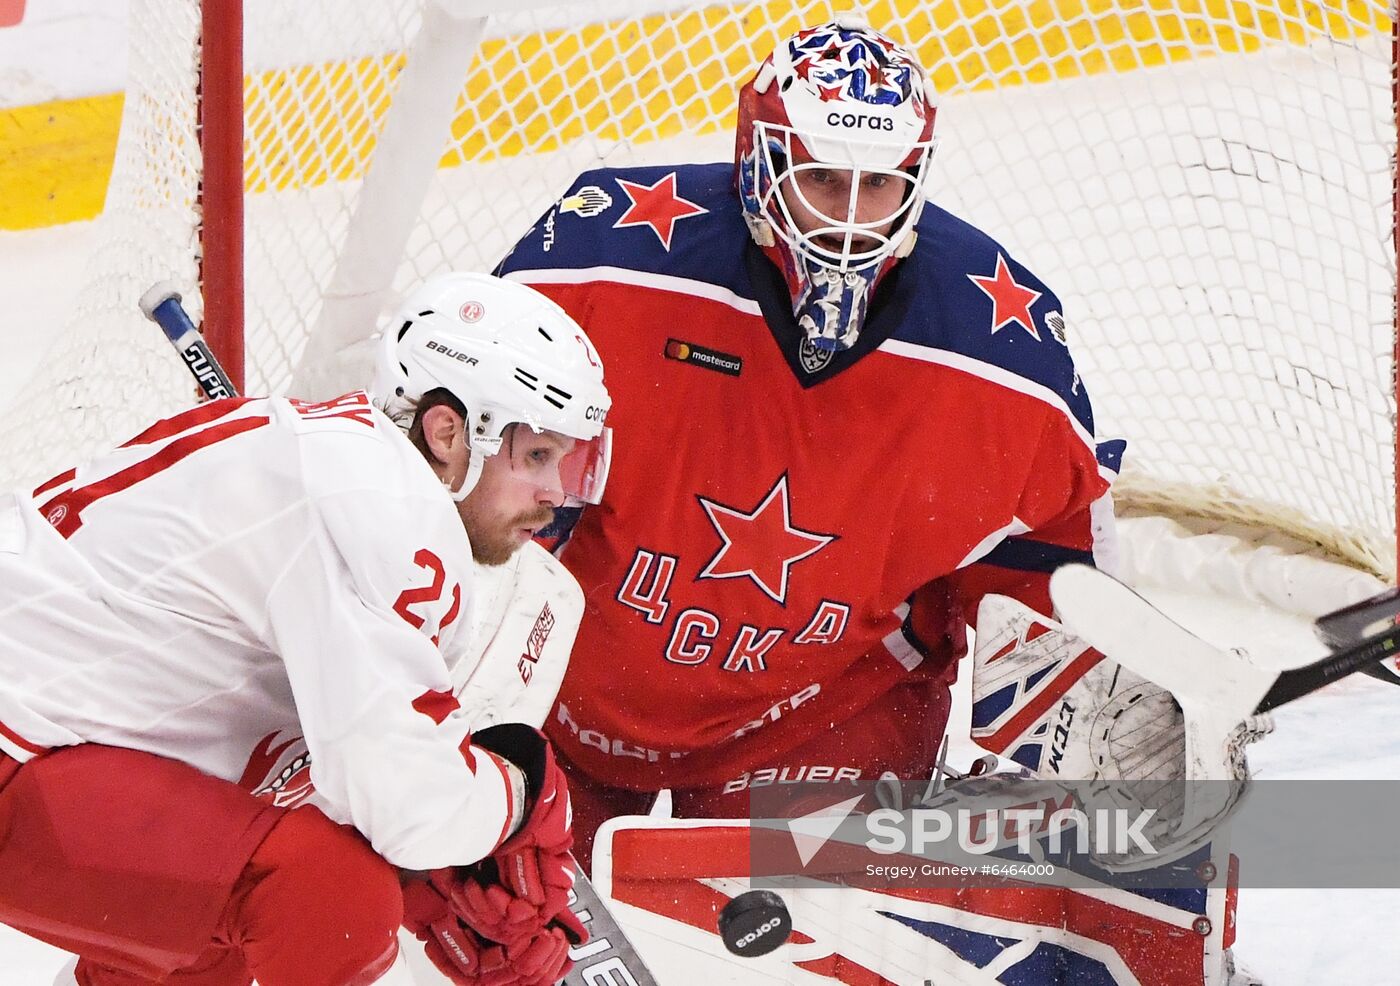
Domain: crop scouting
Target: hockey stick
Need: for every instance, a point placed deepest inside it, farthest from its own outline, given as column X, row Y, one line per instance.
column 1130, row 630
column 161, row 304
column 608, row 955
column 1352, row 625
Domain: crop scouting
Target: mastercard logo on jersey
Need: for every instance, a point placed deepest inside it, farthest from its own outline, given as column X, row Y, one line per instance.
column 710, row 359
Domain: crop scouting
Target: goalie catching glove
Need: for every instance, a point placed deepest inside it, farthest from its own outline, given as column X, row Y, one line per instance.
column 1047, row 700
column 506, row 919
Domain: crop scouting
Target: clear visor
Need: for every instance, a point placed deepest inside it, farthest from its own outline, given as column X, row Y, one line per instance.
column 550, row 461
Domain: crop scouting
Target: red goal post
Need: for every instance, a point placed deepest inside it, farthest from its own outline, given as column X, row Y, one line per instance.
column 1207, row 184
column 219, row 97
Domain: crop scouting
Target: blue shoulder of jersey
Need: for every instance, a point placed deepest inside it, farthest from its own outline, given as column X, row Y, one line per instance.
column 970, row 297
column 965, row 294
column 673, row 220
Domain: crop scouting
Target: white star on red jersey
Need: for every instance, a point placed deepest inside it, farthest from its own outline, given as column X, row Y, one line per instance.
column 657, row 206
column 1011, row 302
column 761, row 544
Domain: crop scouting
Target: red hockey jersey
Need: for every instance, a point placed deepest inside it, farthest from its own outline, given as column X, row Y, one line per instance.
column 787, row 533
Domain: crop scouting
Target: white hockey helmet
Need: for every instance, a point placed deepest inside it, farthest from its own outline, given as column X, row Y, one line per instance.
column 510, row 356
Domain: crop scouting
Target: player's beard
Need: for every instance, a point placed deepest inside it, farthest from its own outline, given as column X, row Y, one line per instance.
column 494, row 539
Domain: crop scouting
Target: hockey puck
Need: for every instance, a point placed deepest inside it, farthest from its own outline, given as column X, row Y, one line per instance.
column 754, row 923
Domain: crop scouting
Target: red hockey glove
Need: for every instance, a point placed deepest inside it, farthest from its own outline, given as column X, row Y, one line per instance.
column 539, row 961
column 525, row 883
column 468, row 959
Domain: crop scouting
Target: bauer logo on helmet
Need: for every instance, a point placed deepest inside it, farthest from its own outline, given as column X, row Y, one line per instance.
column 434, row 346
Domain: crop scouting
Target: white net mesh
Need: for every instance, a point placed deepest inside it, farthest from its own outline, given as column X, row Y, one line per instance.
column 107, row 371
column 1207, row 184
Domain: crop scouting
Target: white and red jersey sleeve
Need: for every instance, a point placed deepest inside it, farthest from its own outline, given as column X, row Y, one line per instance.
column 370, row 618
column 246, row 577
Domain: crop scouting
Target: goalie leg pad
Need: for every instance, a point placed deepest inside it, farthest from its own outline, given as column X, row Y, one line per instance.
column 686, row 871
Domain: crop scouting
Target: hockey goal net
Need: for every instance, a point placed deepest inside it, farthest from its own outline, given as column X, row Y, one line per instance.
column 1208, row 185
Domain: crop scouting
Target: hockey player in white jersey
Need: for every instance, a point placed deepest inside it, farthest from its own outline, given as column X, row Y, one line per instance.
column 245, row 685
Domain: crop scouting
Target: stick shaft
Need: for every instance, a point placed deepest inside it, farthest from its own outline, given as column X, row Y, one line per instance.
column 1298, row 682
column 608, row 956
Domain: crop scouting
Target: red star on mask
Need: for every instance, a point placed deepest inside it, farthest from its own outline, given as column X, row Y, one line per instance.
column 657, row 206
column 1011, row 302
column 762, row 544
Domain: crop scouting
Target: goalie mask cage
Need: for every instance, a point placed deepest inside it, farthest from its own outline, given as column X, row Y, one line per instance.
column 1207, row 184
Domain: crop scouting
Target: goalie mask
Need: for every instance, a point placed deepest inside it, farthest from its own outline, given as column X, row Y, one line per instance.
column 511, row 357
column 834, row 140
